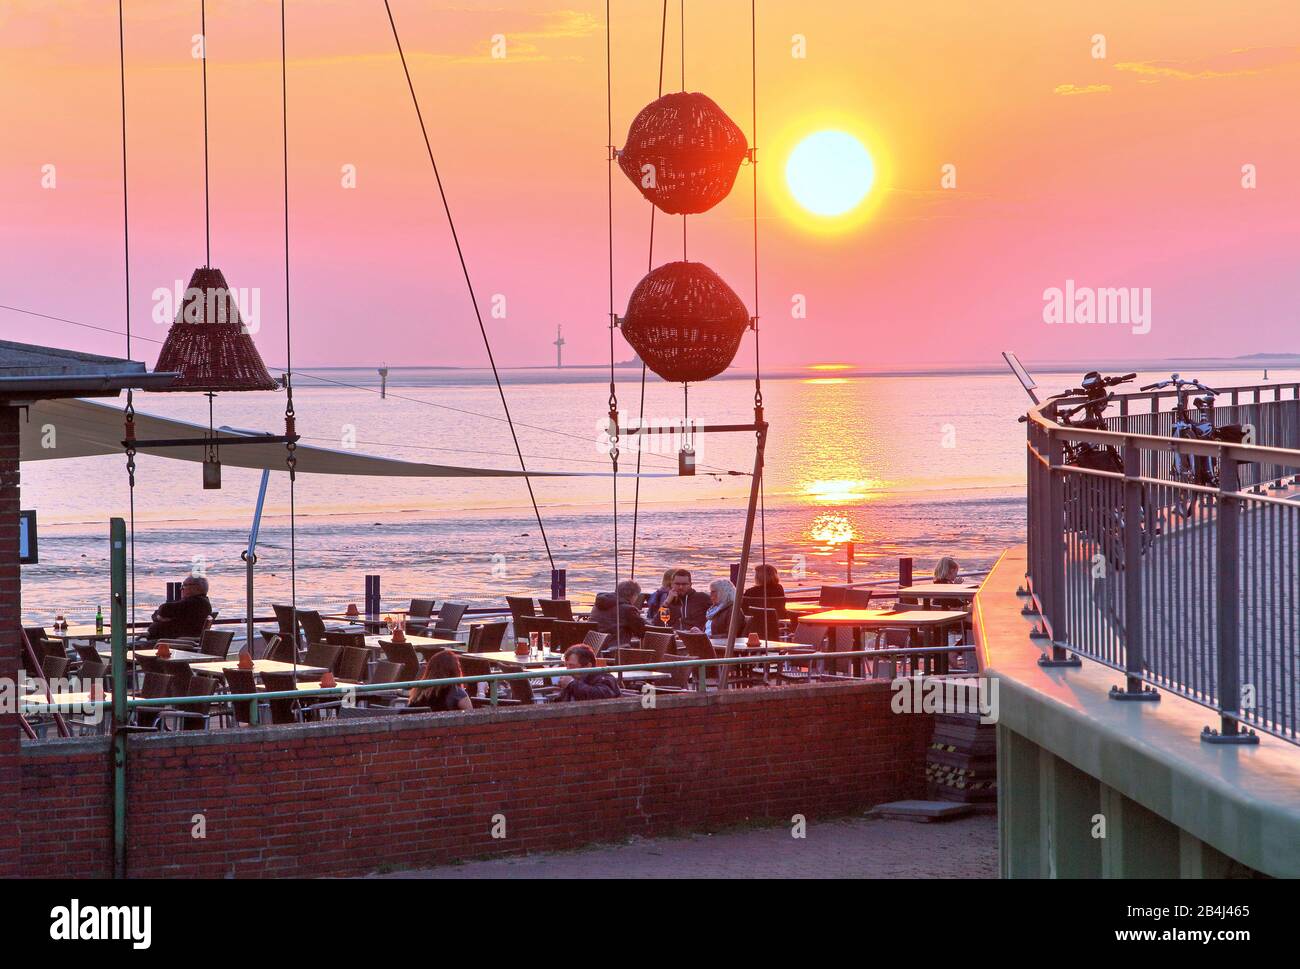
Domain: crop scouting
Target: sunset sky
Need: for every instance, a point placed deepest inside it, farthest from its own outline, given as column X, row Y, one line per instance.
column 1118, row 171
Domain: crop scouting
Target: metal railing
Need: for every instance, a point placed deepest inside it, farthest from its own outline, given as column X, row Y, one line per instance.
column 1191, row 588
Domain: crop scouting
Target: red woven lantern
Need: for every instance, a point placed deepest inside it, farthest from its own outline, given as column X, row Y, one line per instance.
column 208, row 345
column 685, row 322
column 683, row 153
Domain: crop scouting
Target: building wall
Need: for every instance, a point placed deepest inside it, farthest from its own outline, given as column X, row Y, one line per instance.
column 358, row 795
column 10, row 624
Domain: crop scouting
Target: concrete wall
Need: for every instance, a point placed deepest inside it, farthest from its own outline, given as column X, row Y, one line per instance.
column 352, row 796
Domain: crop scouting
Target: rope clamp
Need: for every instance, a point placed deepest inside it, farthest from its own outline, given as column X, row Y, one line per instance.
column 614, row 153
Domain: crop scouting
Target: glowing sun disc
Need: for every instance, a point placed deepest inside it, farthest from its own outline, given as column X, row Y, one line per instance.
column 829, row 173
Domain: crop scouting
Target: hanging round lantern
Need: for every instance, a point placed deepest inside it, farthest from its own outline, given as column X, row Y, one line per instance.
column 208, row 345
column 685, row 322
column 683, row 153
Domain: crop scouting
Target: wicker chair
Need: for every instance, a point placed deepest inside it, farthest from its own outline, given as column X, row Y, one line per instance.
column 557, row 608
column 154, row 686
column 486, row 637
column 856, row 599
column 195, row 716
column 353, row 665
column 241, row 681
column 324, row 655
column 519, row 608
column 832, row 596
column 404, row 655
column 448, row 620
column 417, row 617
column 598, row 641
column 285, row 710
column 281, row 649
column 566, row 634
column 215, row 642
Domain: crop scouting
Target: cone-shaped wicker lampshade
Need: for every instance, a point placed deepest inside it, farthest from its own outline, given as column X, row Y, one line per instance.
column 207, row 344
column 685, row 322
column 683, row 153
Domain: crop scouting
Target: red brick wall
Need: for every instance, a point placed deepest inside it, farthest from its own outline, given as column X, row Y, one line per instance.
column 354, row 796
column 10, row 623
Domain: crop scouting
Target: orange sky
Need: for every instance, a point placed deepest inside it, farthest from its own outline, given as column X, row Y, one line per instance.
column 1122, row 171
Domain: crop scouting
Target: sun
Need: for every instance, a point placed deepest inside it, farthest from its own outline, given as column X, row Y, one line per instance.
column 829, row 173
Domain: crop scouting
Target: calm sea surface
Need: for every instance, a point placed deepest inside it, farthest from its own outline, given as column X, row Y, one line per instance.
column 920, row 466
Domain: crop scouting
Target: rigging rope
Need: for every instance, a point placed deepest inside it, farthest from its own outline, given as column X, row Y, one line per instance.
column 291, row 459
column 611, row 154
column 129, row 413
column 650, row 265
column 207, row 211
column 468, row 283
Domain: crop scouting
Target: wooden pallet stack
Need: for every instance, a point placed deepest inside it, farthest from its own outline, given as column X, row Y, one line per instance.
column 961, row 764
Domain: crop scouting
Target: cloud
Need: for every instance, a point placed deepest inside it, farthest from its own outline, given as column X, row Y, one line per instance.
column 525, row 45
column 1066, row 89
column 1241, row 62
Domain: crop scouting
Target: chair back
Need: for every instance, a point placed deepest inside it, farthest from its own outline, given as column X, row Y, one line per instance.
column 630, row 657
column 596, row 640
column 566, row 634
column 856, row 599
column 522, row 691
column 216, row 642
column 385, row 671
column 284, row 618
column 418, row 616
column 486, row 637
column 92, row 670
column 557, row 608
column 520, row 606
column 54, row 667
column 765, row 622
column 313, row 626
column 341, row 638
column 659, row 643
column 448, row 621
column 528, row 625
column 35, row 634
column 199, row 685
column 88, row 653
column 154, row 685
column 472, row 665
column 404, row 655
column 324, row 655
column 281, row 649
column 353, row 663
column 240, row 681
column 832, row 596
column 806, row 635
column 284, row 710
column 698, row 645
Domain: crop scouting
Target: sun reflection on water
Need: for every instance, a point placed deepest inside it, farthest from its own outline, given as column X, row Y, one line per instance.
column 839, row 490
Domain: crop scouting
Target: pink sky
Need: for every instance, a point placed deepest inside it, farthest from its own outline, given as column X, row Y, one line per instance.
column 1120, row 171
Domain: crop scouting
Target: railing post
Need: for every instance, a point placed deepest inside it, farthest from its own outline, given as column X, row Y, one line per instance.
column 1227, row 523
column 1134, row 631
column 117, row 628
column 1054, row 518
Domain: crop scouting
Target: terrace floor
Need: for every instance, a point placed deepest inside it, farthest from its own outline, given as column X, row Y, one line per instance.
column 842, row 848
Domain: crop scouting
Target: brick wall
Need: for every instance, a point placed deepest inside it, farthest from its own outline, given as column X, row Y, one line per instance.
column 354, row 796
column 10, row 623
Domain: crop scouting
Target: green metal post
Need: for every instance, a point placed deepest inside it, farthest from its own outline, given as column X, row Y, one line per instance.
column 117, row 620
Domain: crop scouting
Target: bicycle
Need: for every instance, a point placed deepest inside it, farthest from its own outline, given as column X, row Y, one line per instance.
column 1195, row 424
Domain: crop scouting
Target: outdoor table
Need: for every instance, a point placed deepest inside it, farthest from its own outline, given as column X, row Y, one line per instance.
column 421, row 644
column 60, row 702
column 260, row 666
column 87, row 632
column 803, row 608
column 525, row 662
column 927, row 591
column 928, row 622
column 177, row 655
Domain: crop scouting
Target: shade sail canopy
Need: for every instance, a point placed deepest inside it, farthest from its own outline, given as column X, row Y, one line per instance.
column 74, row 428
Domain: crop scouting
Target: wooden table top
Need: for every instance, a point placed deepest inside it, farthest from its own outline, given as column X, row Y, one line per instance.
column 177, row 656
column 259, row 666
column 880, row 618
column 419, row 643
column 803, row 608
column 508, row 658
column 36, row 702
column 937, row 590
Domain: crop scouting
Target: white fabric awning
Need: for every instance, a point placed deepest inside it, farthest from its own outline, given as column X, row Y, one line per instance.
column 72, row 428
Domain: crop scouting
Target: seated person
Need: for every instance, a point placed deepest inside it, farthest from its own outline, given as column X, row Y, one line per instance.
column 184, row 617
column 686, row 607
column 442, row 665
column 717, row 618
column 657, row 599
column 767, row 591
column 948, row 572
column 593, row 686
column 616, row 613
